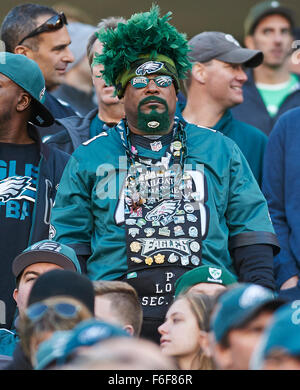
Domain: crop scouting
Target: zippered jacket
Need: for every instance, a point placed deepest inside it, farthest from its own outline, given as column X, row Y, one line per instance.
column 281, row 184
column 51, row 166
column 71, row 132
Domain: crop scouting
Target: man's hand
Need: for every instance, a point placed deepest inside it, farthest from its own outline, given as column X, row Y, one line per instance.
column 292, row 282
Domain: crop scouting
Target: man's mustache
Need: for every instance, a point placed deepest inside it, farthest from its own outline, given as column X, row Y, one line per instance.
column 151, row 99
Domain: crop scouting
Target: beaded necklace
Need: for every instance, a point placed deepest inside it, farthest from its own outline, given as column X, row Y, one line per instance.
column 140, row 168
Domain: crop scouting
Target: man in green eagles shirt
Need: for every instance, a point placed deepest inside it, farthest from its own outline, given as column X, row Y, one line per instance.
column 154, row 197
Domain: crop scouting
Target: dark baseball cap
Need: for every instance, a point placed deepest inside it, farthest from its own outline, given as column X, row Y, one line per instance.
column 215, row 45
column 46, row 251
column 63, row 283
column 204, row 274
column 26, row 73
column 282, row 334
column 261, row 10
column 240, row 304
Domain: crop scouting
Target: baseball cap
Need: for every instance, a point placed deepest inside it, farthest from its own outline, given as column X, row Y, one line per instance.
column 46, row 251
column 67, row 283
column 92, row 331
column 215, row 45
column 266, row 8
column 239, row 305
column 86, row 333
column 26, row 73
column 51, row 349
column 203, row 274
column 79, row 34
column 281, row 334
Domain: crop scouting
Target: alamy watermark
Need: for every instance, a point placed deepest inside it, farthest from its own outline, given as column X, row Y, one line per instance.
column 295, row 57
column 148, row 180
column 2, row 313
column 296, row 314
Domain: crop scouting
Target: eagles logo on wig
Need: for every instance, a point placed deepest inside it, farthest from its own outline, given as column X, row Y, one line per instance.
column 146, row 43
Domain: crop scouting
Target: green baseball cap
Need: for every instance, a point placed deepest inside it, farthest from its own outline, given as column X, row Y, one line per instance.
column 281, row 334
column 92, row 331
column 26, row 73
column 46, row 251
column 266, row 8
column 237, row 306
column 204, row 274
column 52, row 349
column 85, row 333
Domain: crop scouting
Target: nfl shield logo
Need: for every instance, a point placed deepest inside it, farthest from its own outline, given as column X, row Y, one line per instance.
column 156, row 146
column 215, row 273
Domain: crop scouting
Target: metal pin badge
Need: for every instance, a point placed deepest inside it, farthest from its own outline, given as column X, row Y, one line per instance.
column 153, row 124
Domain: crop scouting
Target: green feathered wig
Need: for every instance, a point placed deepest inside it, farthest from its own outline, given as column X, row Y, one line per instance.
column 145, row 44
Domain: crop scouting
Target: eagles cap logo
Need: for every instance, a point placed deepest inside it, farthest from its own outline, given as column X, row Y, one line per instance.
column 231, row 39
column 47, row 245
column 253, row 295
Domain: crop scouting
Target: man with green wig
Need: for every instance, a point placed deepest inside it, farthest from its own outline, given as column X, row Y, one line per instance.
column 153, row 198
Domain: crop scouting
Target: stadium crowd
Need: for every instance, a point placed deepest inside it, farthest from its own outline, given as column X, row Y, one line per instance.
column 148, row 190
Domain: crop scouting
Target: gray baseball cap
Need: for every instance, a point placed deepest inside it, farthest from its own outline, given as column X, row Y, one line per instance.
column 214, row 45
column 46, row 251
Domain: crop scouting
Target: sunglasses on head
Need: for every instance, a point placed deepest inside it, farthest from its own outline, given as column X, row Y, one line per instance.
column 161, row 81
column 54, row 23
column 65, row 310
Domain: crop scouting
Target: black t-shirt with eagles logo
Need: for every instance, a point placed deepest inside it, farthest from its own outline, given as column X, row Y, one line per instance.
column 18, row 185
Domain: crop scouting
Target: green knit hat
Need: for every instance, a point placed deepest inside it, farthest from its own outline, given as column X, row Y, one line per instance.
column 145, row 44
column 204, row 274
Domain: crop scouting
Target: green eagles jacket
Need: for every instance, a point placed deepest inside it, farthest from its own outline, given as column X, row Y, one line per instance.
column 88, row 213
column 249, row 139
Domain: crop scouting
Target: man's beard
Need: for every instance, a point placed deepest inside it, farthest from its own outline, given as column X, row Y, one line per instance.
column 154, row 122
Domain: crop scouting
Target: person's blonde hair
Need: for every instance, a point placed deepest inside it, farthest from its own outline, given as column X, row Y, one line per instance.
column 201, row 306
column 50, row 322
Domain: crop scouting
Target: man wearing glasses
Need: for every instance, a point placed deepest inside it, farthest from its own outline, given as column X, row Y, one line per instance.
column 40, row 33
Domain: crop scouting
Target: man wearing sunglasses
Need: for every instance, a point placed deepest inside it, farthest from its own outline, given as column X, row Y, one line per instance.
column 40, row 33
column 153, row 197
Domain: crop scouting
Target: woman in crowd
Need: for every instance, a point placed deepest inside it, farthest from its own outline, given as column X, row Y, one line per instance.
column 184, row 334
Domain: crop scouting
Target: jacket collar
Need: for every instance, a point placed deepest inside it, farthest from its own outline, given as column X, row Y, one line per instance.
column 222, row 124
column 34, row 134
